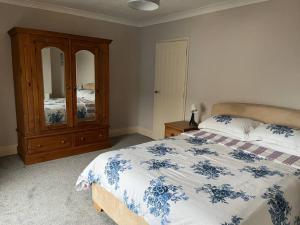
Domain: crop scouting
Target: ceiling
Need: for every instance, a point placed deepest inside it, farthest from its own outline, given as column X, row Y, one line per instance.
column 118, row 11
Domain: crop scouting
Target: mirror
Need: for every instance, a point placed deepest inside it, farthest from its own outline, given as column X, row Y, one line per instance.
column 85, row 81
column 53, row 67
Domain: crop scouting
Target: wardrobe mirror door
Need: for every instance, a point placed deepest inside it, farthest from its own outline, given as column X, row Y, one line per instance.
column 53, row 67
column 85, row 82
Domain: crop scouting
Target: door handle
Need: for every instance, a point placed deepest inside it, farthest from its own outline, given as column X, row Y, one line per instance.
column 156, row 92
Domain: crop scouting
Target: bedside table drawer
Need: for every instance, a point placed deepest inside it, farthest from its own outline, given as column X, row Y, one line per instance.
column 178, row 127
column 170, row 132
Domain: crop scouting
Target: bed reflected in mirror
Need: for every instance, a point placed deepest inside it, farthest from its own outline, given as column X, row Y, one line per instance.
column 85, row 82
column 53, row 67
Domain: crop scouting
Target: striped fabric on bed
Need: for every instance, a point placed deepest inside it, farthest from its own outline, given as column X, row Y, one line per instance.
column 267, row 153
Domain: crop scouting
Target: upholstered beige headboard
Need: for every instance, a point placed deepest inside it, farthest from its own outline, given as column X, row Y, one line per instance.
column 263, row 113
column 89, row 86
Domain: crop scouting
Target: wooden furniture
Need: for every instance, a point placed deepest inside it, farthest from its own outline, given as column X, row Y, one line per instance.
column 176, row 128
column 105, row 201
column 117, row 210
column 55, row 118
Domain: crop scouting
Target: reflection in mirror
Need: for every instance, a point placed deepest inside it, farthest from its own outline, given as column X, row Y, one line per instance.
column 85, row 81
column 53, row 67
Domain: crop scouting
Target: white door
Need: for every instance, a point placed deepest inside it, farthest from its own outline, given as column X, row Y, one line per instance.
column 170, row 84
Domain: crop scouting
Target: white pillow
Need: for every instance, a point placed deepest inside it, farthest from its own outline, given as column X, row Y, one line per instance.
column 275, row 134
column 235, row 127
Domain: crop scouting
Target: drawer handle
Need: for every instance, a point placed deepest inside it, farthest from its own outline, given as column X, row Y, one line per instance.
column 82, row 138
column 100, row 135
column 39, row 145
column 63, row 141
column 172, row 135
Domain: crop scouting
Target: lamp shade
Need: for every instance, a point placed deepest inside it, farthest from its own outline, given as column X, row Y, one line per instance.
column 193, row 108
column 145, row 5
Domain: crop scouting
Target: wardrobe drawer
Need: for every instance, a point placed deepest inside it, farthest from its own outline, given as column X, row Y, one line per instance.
column 90, row 137
column 45, row 144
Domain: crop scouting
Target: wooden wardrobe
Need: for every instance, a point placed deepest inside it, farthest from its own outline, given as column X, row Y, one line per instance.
column 61, row 92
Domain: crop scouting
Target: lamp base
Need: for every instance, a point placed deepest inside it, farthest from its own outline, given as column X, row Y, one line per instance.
column 192, row 121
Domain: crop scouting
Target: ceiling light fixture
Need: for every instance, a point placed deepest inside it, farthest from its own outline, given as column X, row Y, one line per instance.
column 145, row 5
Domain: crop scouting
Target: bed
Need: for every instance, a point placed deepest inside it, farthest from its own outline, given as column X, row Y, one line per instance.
column 200, row 177
column 55, row 108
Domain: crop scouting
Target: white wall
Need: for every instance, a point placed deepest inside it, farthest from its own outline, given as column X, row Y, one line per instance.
column 57, row 74
column 247, row 54
column 46, row 60
column 85, row 68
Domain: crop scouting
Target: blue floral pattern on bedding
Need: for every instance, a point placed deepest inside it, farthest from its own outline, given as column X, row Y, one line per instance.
column 223, row 119
column 131, row 205
column 81, row 113
column 93, row 178
column 188, row 179
column 55, row 117
column 161, row 150
column 55, row 109
column 235, row 220
column 261, row 172
column 155, row 164
column 281, row 130
column 114, row 167
column 196, row 141
column 159, row 195
column 244, row 156
column 223, row 192
column 203, row 151
column 210, row 171
column 279, row 208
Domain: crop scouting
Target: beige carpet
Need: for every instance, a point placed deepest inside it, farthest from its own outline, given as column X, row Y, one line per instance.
column 44, row 193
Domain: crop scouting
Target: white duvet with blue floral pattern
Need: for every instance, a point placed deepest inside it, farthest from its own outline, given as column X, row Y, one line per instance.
column 192, row 181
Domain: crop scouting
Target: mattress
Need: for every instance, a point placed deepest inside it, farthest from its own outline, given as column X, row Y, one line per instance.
column 200, row 178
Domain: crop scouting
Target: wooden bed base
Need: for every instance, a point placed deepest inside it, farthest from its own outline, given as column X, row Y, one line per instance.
column 114, row 208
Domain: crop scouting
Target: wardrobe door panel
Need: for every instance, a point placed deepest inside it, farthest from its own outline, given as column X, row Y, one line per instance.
column 53, row 78
column 85, row 83
column 104, row 55
column 86, row 74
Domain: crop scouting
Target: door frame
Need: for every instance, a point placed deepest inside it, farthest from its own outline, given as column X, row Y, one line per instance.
column 187, row 39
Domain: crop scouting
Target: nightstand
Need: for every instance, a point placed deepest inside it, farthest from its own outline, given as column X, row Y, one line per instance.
column 178, row 127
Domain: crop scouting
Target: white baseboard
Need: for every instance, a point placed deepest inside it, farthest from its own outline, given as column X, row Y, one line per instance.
column 122, row 131
column 130, row 130
column 8, row 150
column 12, row 149
column 145, row 132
